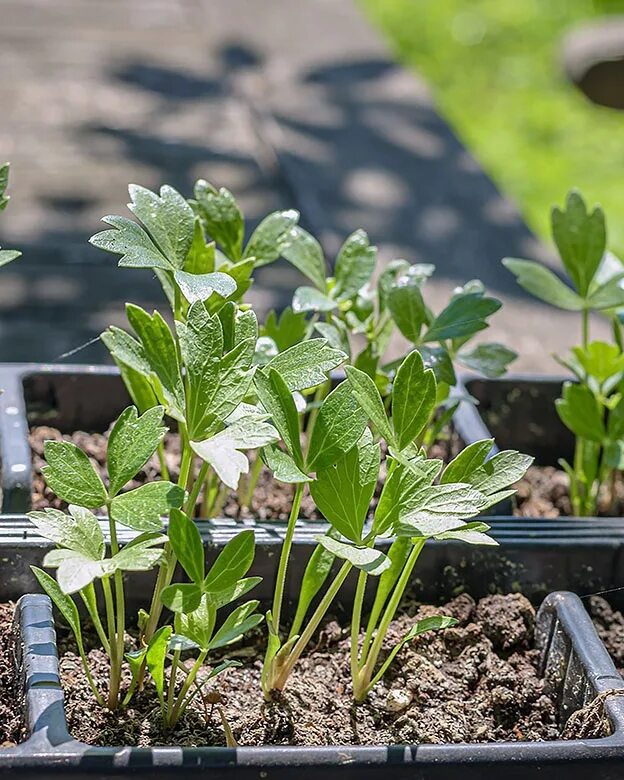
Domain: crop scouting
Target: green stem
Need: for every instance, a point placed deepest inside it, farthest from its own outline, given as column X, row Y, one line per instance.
column 179, row 705
column 361, row 686
column 319, row 395
column 171, row 688
column 164, row 471
column 215, row 509
column 120, row 600
column 85, row 666
column 90, row 603
column 284, row 556
column 313, row 623
column 356, row 619
column 252, row 481
column 189, row 509
column 114, row 681
column 585, row 327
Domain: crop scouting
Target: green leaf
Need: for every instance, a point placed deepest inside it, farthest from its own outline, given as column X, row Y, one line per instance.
column 306, row 364
column 278, row 402
column 468, row 462
column 181, row 596
column 126, row 350
column 600, row 360
column 465, row 314
column 406, row 305
column 199, row 287
column 413, row 399
column 282, row 465
column 309, row 299
column 200, row 258
column 160, row 349
column 580, row 412
column 287, row 330
column 79, row 530
column 581, row 239
column 236, row 625
column 340, row 423
column 272, row 237
column 543, row 284
column 132, row 442
column 314, row 577
column 305, row 253
column 344, row 490
column 4, row 183
column 501, row 471
column 401, row 490
column 232, row 563
column 143, row 508
column 223, row 597
column 136, row 556
column 609, row 295
column 354, row 265
column 62, row 602
column 397, row 555
column 199, row 624
column 365, row 558
column 368, row 396
column 155, row 658
column 491, row 360
column 222, row 217
column 140, row 389
column 222, row 449
column 169, row 220
column 129, row 240
column 439, row 361
column 336, row 335
column 70, row 475
column 471, row 533
column 438, row 508
column 74, row 570
column 186, row 543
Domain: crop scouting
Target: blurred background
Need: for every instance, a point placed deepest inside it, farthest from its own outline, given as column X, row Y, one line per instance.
column 446, row 129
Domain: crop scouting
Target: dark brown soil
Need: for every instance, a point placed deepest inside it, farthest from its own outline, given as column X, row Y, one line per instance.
column 272, row 500
column 11, row 723
column 609, row 624
column 475, row 682
column 545, row 492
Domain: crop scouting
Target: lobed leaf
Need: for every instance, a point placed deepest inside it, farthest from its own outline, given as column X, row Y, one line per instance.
column 364, row 558
column 354, row 265
column 71, row 476
column 306, row 364
column 143, row 508
column 413, row 399
column 340, row 423
column 132, row 442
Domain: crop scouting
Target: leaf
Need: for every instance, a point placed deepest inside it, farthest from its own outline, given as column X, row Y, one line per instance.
column 413, row 399
column 365, row 558
column 438, row 508
column 222, row 449
column 469, row 461
column 200, row 258
column 314, row 577
column 309, row 299
column 306, row 364
column 199, row 624
column 181, row 596
column 278, row 402
column 132, row 442
column 287, row 330
column 405, row 301
column 609, row 295
column 397, row 555
column 354, row 265
column 340, row 423
column 543, row 284
column 222, row 217
column 140, row 389
column 4, row 183
column 70, row 475
column 439, row 361
column 169, row 220
column 580, row 238
column 304, row 252
column 126, row 350
column 232, row 563
column 271, row 238
column 600, row 360
column 160, row 349
column 129, row 240
column 74, row 570
column 62, row 602
column 78, row 531
column 186, row 543
column 223, row 597
column 143, row 508
column 336, row 335
column 8, row 255
column 432, row 623
column 136, row 556
column 155, row 658
column 491, row 360
column 471, row 533
column 580, row 412
column 368, row 396
column 400, row 491
column 500, row 472
column 466, row 314
column 236, row 624
column 343, row 491
column 282, row 466
column 199, row 287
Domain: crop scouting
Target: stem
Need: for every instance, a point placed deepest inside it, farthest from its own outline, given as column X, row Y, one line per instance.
column 189, row 509
column 313, row 623
column 585, row 327
column 180, row 703
column 120, row 601
column 171, row 688
column 90, row 603
column 252, row 481
column 85, row 666
column 113, row 692
column 284, row 556
column 319, row 395
column 164, row 471
column 356, row 619
column 361, row 686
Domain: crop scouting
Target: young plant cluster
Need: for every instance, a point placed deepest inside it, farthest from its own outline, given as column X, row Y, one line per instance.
column 243, row 396
column 592, row 404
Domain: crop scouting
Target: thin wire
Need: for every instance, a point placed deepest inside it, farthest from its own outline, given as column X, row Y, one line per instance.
column 601, row 592
column 75, row 350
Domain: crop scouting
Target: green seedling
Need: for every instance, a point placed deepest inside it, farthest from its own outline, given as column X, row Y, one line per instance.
column 6, row 255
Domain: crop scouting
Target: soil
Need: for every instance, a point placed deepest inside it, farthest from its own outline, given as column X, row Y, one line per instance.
column 545, row 492
column 475, row 682
column 609, row 625
column 271, row 501
column 12, row 729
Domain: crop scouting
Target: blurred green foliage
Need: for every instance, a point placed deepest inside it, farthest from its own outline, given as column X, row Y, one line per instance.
column 494, row 69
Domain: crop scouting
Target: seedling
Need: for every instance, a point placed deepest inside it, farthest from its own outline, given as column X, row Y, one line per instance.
column 591, row 407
